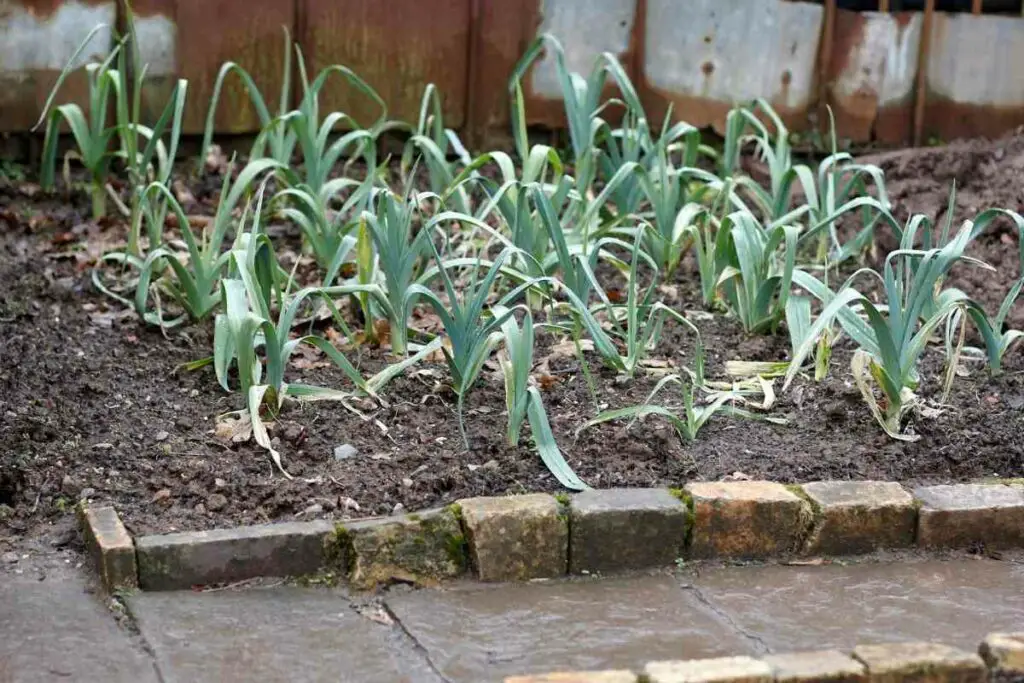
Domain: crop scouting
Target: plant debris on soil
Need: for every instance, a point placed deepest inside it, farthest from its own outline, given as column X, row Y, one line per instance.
column 95, row 405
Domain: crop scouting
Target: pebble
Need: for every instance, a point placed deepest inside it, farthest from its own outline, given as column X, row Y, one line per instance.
column 490, row 465
column 183, row 423
column 9, row 558
column 407, row 483
column 345, row 451
column 87, row 492
column 329, row 504
column 161, row 435
column 162, row 494
column 314, row 509
column 398, row 509
column 216, row 502
column 68, row 484
column 200, row 509
column 219, row 483
column 6, row 512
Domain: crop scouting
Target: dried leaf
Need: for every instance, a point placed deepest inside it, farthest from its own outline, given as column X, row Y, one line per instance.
column 234, row 427
column 308, row 358
column 546, row 382
column 377, row 614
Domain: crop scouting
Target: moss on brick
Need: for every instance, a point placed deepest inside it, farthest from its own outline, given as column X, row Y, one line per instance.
column 423, row 550
column 338, row 554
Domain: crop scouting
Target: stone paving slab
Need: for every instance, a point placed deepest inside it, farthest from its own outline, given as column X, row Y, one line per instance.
column 55, row 630
column 282, row 634
column 790, row 608
column 475, row 635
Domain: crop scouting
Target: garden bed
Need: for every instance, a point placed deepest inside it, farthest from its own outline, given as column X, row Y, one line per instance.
column 94, row 404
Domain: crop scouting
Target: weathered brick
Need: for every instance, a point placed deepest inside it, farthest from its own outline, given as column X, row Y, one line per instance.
column 110, row 546
column 855, row 517
column 962, row 515
column 1004, row 653
column 577, row 677
column 182, row 560
column 746, row 519
column 620, row 529
column 720, row 670
column 920, row 663
column 420, row 548
column 826, row 666
column 517, row 538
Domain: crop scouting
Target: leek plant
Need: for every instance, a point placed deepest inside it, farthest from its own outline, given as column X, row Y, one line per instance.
column 582, row 99
column 471, row 334
column 637, row 325
column 141, row 149
column 695, row 412
column 434, row 142
column 248, row 325
column 694, row 415
column 302, row 130
column 90, row 131
column 524, row 401
column 754, row 269
column 190, row 280
column 892, row 337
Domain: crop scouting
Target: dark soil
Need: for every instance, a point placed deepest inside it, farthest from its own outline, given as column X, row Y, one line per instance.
column 94, row 404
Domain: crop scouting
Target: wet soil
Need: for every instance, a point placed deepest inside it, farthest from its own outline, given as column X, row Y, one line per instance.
column 94, row 404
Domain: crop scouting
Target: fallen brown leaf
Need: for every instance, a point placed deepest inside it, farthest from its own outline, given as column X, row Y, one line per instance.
column 234, row 428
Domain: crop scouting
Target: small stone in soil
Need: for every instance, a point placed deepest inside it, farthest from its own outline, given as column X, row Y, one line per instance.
column 161, row 495
column 162, row 435
column 407, row 482
column 67, row 484
column 200, row 509
column 329, row 504
column 314, row 509
column 490, row 465
column 216, row 502
column 6, row 512
column 345, row 451
column 219, row 483
column 398, row 509
column 183, row 423
column 9, row 558
column 87, row 492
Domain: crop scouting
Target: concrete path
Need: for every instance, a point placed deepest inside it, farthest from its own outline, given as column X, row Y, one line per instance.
column 56, row 630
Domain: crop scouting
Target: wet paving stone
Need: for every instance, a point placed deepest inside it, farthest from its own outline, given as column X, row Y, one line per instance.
column 791, row 608
column 474, row 634
column 277, row 634
column 55, row 630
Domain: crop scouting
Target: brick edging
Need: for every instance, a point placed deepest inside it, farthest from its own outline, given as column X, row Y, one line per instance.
column 522, row 537
column 1000, row 659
